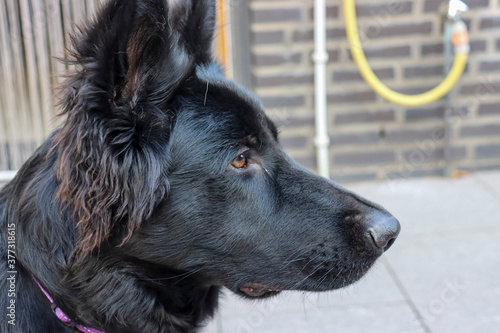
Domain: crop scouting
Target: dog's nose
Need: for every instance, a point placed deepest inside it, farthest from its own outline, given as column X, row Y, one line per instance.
column 383, row 229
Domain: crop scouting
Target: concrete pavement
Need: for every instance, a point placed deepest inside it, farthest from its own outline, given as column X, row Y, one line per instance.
column 442, row 275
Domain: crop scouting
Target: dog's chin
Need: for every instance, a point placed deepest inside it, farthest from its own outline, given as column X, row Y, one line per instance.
column 254, row 290
column 319, row 281
column 258, row 290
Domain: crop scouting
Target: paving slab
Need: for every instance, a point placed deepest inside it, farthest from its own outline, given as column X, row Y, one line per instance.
column 490, row 181
column 382, row 317
column 453, row 279
column 449, row 263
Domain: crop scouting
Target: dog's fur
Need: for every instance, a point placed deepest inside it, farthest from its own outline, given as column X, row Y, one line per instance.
column 133, row 214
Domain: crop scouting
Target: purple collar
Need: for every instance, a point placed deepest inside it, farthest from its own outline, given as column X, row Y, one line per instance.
column 61, row 315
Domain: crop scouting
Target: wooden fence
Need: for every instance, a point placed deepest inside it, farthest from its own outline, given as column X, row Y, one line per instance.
column 33, row 33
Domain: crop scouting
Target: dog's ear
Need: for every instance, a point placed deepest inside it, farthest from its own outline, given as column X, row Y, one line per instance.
column 111, row 149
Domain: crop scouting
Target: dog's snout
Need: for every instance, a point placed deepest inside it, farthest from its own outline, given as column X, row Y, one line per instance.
column 383, row 230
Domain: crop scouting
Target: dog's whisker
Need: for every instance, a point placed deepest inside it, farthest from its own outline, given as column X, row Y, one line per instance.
column 206, row 95
column 310, row 260
column 326, row 275
column 303, row 249
column 314, row 271
column 298, row 257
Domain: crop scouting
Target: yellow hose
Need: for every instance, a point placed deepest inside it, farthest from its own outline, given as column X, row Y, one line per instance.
column 461, row 54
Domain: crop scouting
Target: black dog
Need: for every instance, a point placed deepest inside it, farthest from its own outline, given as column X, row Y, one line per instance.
column 165, row 183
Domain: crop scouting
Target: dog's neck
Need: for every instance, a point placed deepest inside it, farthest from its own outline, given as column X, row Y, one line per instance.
column 164, row 300
column 61, row 315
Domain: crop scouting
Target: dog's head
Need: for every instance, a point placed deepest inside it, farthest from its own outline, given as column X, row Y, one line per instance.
column 163, row 160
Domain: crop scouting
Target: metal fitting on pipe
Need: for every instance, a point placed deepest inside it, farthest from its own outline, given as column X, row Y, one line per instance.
column 456, row 8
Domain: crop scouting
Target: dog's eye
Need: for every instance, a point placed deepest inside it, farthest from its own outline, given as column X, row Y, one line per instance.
column 240, row 162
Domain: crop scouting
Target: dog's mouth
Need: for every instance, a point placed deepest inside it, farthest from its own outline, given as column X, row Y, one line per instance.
column 259, row 290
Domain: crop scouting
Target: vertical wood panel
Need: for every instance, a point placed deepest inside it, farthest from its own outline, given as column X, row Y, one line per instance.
column 33, row 78
column 12, row 125
column 42, row 60
column 21, row 106
column 56, row 40
column 6, row 92
column 33, row 33
column 66, row 19
column 78, row 10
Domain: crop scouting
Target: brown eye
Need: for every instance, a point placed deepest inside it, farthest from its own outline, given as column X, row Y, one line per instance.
column 240, row 161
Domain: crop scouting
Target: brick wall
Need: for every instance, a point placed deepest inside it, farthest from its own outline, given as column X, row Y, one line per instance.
column 373, row 138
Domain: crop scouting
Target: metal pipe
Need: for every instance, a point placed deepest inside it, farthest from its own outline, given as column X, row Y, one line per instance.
column 455, row 10
column 320, row 58
column 448, row 56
